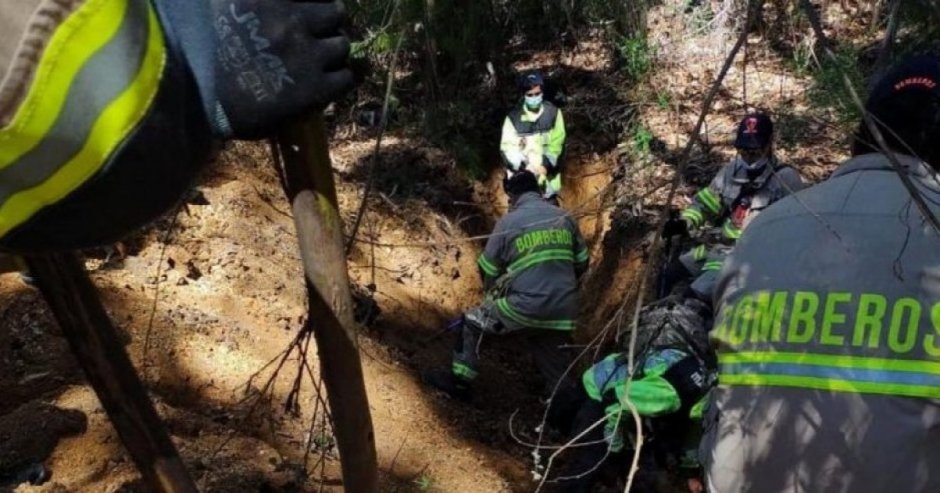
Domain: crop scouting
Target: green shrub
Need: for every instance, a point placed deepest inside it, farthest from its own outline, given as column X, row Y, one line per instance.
column 637, row 56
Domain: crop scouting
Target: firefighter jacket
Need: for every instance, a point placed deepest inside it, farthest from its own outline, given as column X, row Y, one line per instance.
column 828, row 338
column 86, row 90
column 670, row 383
column 528, row 136
column 531, row 265
column 675, row 368
column 733, row 199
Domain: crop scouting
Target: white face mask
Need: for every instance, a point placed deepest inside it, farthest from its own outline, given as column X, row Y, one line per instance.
column 533, row 102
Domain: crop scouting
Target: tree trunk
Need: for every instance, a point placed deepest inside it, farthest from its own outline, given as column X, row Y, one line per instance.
column 308, row 182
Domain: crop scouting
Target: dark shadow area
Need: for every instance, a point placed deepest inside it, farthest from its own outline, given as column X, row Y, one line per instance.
column 29, row 434
column 508, row 384
column 404, row 173
column 34, row 357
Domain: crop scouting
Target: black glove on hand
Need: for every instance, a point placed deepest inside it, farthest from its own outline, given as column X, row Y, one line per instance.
column 263, row 61
column 675, row 226
column 277, row 59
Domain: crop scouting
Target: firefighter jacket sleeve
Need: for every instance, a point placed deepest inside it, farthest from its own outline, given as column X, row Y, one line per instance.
column 790, row 180
column 651, row 393
column 492, row 262
column 556, row 142
column 102, row 115
column 509, row 146
column 706, row 204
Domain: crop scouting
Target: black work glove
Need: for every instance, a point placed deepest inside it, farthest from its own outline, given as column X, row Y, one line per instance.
column 675, row 226
column 264, row 61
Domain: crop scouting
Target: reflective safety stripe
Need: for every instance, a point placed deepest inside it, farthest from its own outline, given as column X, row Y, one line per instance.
column 96, row 81
column 712, row 265
column 582, row 256
column 506, row 309
column 838, row 373
column 463, row 371
column 709, row 200
column 698, row 410
column 487, row 266
column 694, row 216
column 731, row 231
column 540, row 257
column 699, row 252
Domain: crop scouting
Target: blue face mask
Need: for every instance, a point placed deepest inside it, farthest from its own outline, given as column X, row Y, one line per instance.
column 533, row 102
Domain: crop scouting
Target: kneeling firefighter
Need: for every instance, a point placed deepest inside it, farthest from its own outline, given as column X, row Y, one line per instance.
column 673, row 371
column 531, row 267
column 109, row 108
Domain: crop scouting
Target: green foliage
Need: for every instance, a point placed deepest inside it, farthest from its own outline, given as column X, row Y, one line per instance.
column 642, row 139
column 424, row 482
column 637, row 56
column 375, row 45
column 802, row 61
column 639, row 142
column 792, row 129
column 919, row 28
column 663, row 100
column 450, row 126
column 828, row 88
column 324, row 440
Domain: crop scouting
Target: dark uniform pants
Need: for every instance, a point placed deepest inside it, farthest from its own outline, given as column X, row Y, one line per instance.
column 550, row 349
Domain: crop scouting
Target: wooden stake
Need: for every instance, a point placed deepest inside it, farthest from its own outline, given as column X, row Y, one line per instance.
column 302, row 153
column 76, row 306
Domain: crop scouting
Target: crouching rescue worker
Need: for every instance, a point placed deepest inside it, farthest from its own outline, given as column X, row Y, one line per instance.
column 534, row 137
column 108, row 108
column 828, row 321
column 675, row 368
column 721, row 211
column 531, row 267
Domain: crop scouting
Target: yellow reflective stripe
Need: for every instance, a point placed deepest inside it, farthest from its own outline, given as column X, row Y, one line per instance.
column 838, row 361
column 731, row 231
column 487, row 266
column 582, row 256
column 110, row 129
column 840, row 373
column 708, row 199
column 694, row 216
column 817, row 383
column 540, row 257
column 463, row 371
column 83, row 33
column 512, row 314
column 712, row 265
column 699, row 253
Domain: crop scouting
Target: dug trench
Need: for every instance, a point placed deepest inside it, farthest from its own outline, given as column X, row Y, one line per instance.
column 208, row 296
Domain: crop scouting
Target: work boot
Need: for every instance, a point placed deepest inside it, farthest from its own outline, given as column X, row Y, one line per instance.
column 445, row 381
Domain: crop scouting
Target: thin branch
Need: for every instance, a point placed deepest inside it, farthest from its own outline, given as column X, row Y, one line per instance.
column 156, row 289
column 654, row 250
column 376, row 154
column 870, row 122
column 890, row 33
